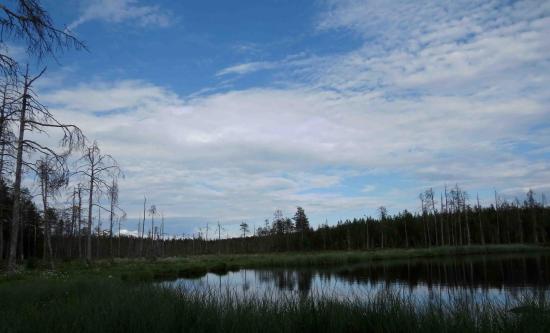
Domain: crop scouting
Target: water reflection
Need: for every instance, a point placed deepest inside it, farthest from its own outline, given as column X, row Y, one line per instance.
column 496, row 277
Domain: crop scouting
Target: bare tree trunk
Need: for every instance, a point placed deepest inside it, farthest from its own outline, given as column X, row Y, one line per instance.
column 441, row 220
column 90, row 212
column 119, row 238
column 47, row 228
column 543, row 205
column 111, row 217
column 449, row 227
column 153, row 235
column 73, row 224
column 21, row 250
column 14, row 235
column 1, row 239
column 80, row 221
column 98, row 231
column 481, row 234
column 468, row 235
column 435, row 220
column 3, row 125
column 162, row 234
column 496, row 215
column 460, row 236
column 535, row 229
column 142, row 228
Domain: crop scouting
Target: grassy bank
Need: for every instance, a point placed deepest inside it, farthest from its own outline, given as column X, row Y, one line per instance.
column 101, row 304
column 195, row 266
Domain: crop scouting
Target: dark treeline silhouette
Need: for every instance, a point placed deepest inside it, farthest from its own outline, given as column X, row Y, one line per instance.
column 455, row 223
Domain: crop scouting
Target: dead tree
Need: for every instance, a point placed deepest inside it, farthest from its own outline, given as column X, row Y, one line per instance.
column 532, row 205
column 8, row 109
column 113, row 200
column 481, row 233
column 96, row 168
column 496, row 216
column 153, row 213
column 162, row 234
column 28, row 22
column 119, row 221
column 383, row 214
column 79, row 218
column 429, row 206
column 466, row 222
column 35, row 117
column 143, row 227
column 424, row 205
column 52, row 176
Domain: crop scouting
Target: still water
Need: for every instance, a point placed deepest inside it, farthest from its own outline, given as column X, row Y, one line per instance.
column 503, row 278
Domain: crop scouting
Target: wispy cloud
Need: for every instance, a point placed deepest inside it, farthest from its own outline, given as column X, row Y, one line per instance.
column 247, row 68
column 117, row 11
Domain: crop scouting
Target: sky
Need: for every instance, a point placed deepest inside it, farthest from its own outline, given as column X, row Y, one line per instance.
column 228, row 110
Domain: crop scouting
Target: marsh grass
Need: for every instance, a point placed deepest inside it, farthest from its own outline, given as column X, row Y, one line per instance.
column 98, row 304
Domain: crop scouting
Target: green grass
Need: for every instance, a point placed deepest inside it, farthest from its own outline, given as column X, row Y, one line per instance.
column 99, row 304
column 196, row 266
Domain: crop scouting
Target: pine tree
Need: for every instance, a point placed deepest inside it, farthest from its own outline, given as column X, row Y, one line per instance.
column 301, row 221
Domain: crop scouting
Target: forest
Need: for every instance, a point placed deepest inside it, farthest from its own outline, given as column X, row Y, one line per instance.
column 455, row 223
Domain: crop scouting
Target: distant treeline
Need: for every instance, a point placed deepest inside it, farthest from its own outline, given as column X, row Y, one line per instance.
column 452, row 221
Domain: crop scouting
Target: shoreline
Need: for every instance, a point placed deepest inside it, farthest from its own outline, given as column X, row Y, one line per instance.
column 140, row 269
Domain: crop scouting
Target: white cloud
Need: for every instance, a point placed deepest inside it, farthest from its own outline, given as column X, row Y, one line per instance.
column 459, row 97
column 127, row 232
column 243, row 154
column 247, row 68
column 117, row 11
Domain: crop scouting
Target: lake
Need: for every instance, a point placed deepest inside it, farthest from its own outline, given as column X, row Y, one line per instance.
column 502, row 278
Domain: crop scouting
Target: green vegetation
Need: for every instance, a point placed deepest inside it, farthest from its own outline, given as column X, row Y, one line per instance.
column 109, row 305
column 196, row 266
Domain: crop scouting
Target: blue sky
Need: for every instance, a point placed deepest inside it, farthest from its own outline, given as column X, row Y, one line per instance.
column 222, row 110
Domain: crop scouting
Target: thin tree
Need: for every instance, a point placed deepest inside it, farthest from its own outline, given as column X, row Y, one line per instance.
column 113, row 200
column 531, row 203
column 481, row 233
column 383, row 214
column 120, row 219
column 8, row 109
column 53, row 176
column 423, row 206
column 142, row 227
column 152, row 213
column 35, row 117
column 97, row 168
column 496, row 216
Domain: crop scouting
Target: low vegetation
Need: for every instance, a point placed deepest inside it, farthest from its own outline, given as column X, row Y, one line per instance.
column 108, row 305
